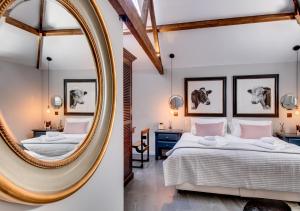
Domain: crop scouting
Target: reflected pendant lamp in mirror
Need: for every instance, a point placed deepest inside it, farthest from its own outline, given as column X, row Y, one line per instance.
column 49, row 59
column 290, row 101
column 175, row 101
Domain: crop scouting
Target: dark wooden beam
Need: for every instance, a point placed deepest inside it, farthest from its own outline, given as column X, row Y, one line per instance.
column 40, row 49
column 61, row 32
column 127, row 11
column 226, row 22
column 296, row 6
column 297, row 10
column 41, row 39
column 222, row 22
column 144, row 12
column 154, row 27
column 21, row 25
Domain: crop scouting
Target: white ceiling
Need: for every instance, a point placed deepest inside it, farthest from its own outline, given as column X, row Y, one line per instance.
column 172, row 11
column 56, row 17
column 19, row 46
column 242, row 44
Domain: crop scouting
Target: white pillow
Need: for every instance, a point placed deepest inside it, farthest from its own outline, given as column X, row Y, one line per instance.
column 86, row 119
column 202, row 120
column 235, row 127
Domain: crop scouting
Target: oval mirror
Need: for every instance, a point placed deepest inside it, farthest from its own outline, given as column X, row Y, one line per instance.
column 46, row 67
column 175, row 102
column 57, row 89
column 289, row 102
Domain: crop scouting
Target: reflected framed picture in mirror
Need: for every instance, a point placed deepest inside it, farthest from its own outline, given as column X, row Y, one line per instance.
column 80, row 96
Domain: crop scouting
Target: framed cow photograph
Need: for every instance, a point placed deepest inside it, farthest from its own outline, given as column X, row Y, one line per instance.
column 205, row 96
column 256, row 96
column 80, row 96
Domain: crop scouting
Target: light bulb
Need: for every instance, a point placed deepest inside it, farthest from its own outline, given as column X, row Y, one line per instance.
column 297, row 112
column 48, row 110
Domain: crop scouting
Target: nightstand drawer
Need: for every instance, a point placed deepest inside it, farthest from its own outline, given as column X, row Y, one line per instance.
column 168, row 137
column 166, row 144
column 294, row 141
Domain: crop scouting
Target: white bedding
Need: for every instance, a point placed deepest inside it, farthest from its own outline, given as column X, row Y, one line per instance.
column 52, row 147
column 265, row 164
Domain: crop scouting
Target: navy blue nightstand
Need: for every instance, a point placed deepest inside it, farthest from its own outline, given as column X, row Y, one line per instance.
column 165, row 140
column 292, row 138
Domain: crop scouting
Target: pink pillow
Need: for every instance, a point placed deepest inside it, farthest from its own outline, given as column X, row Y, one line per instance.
column 255, row 131
column 76, row 127
column 211, row 129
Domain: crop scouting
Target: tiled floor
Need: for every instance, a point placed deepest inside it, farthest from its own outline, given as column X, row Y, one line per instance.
column 148, row 193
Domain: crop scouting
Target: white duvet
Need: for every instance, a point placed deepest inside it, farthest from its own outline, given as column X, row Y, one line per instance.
column 52, row 147
column 265, row 164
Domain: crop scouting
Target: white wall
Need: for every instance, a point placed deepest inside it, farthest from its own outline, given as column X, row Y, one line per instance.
column 104, row 191
column 151, row 92
column 21, row 98
column 57, row 77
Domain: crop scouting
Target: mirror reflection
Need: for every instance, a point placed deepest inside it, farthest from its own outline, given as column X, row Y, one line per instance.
column 48, row 80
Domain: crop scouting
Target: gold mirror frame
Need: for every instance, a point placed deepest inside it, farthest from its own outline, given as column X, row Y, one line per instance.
column 62, row 178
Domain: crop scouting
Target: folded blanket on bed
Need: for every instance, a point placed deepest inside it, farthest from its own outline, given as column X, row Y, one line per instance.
column 52, row 138
column 52, row 133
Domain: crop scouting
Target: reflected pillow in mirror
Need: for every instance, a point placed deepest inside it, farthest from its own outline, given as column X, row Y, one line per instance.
column 212, row 129
column 255, row 131
column 76, row 127
column 80, row 119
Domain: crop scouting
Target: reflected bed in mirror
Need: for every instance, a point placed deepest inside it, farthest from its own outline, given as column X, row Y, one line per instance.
column 38, row 56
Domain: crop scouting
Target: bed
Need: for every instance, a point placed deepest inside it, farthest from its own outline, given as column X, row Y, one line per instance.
column 261, row 168
column 52, row 147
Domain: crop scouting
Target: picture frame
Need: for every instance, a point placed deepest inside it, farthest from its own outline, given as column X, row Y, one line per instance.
column 205, row 96
column 256, row 95
column 80, row 97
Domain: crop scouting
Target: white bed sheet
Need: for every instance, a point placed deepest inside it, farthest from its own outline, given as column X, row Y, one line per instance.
column 233, row 162
column 42, row 148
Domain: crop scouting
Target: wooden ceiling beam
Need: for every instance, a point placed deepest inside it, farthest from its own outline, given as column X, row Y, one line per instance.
column 21, row 25
column 226, row 22
column 145, row 10
column 126, row 10
column 154, row 28
column 41, row 39
column 297, row 10
column 222, row 22
column 296, row 6
column 62, row 32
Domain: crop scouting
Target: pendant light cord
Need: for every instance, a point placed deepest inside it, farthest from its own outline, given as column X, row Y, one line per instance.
column 171, row 77
column 48, row 83
column 297, row 76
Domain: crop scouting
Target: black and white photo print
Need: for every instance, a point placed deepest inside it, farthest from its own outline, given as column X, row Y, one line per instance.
column 205, row 96
column 255, row 96
column 80, row 96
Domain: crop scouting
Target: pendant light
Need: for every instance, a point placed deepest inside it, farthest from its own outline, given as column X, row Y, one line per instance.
column 297, row 48
column 49, row 59
column 175, row 101
column 290, row 101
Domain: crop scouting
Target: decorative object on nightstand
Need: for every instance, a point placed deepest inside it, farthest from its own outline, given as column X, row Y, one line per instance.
column 282, row 129
column 161, row 126
column 165, row 140
column 298, row 129
column 292, row 138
